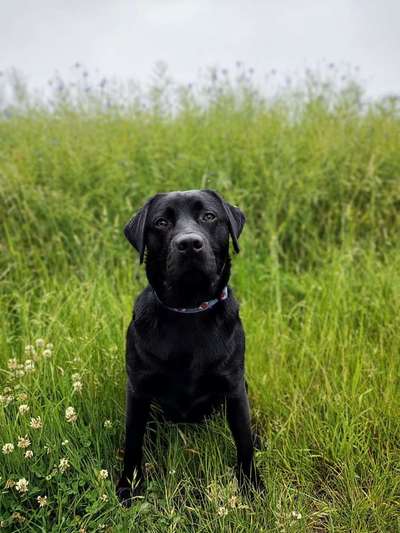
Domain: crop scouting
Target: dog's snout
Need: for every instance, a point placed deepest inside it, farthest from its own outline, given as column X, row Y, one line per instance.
column 189, row 242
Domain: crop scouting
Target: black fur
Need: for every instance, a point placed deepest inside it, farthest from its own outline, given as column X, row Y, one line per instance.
column 188, row 364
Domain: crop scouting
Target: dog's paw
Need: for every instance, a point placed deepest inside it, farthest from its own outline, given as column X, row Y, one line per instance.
column 257, row 441
column 124, row 492
column 251, row 481
column 257, row 482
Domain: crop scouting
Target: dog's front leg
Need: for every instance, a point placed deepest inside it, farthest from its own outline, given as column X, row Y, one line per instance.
column 238, row 414
column 137, row 412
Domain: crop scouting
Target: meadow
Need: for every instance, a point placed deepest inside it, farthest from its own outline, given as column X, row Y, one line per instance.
column 316, row 169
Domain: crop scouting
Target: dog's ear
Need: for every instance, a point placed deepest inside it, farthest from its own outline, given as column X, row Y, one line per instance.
column 135, row 230
column 235, row 219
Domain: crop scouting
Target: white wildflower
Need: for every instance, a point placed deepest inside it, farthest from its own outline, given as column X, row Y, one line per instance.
column 42, row 501
column 233, row 501
column 77, row 386
column 39, row 343
column 70, row 414
column 23, row 409
column 6, row 399
column 22, row 485
column 107, row 424
column 47, row 353
column 23, row 442
column 29, row 349
column 12, row 363
column 103, row 474
column 64, row 464
column 7, row 448
column 18, row 517
column 28, row 454
column 29, row 365
column 36, row 423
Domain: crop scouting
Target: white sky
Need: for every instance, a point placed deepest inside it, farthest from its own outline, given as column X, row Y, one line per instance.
column 125, row 38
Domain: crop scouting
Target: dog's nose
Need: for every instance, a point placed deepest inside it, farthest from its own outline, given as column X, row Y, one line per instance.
column 189, row 242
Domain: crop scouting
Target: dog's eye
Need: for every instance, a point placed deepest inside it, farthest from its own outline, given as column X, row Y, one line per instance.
column 208, row 217
column 161, row 222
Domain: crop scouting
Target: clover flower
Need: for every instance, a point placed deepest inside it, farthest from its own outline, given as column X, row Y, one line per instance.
column 12, row 363
column 36, row 423
column 30, row 350
column 233, row 501
column 23, row 442
column 107, row 424
column 29, row 365
column 23, row 409
column 8, row 448
column 28, row 454
column 63, row 464
column 103, row 474
column 6, row 399
column 42, row 501
column 22, row 485
column 77, row 386
column 18, row 517
column 70, row 414
column 39, row 343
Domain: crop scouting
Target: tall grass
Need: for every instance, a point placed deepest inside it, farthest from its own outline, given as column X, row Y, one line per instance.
column 316, row 169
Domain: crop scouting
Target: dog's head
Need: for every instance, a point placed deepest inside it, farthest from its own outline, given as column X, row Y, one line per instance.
column 186, row 235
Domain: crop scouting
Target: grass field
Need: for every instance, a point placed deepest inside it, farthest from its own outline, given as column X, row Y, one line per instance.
column 317, row 172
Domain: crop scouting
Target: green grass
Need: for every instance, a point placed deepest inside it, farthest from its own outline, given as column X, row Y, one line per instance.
column 317, row 173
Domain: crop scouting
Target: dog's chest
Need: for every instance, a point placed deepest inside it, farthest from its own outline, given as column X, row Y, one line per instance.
column 186, row 378
column 185, row 395
column 184, row 374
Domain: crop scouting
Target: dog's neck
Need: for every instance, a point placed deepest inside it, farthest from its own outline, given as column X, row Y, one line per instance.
column 192, row 291
column 204, row 306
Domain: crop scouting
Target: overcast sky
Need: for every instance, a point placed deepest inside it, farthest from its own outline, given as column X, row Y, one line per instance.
column 125, row 38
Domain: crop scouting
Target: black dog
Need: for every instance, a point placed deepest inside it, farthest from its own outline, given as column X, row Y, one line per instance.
column 185, row 343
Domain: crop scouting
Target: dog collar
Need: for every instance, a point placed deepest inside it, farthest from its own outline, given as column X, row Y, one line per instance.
column 202, row 307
